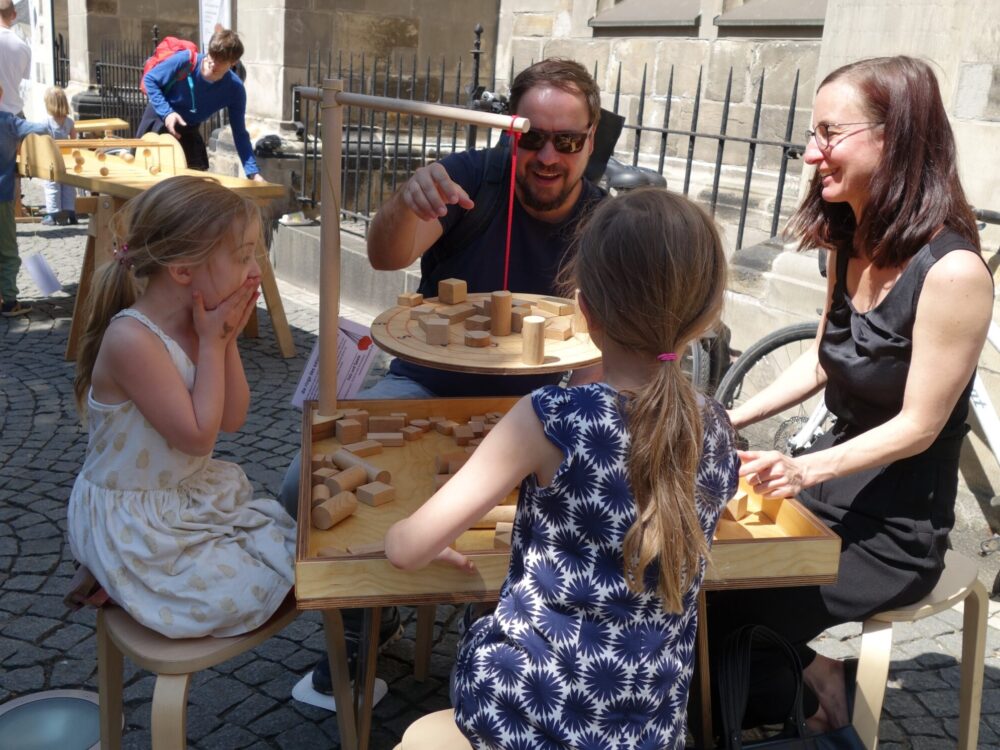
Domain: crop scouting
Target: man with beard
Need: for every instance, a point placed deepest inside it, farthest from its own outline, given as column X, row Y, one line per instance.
column 562, row 102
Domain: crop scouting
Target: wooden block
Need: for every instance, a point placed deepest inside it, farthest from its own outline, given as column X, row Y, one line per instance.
column 463, row 434
column 421, row 310
column 475, row 441
column 501, row 513
column 559, row 329
column 332, row 552
column 382, row 423
column 440, row 480
column 478, row 428
column 736, row 508
column 422, row 322
column 320, row 493
column 410, row 299
column 387, row 439
column 402, row 415
column 334, row 510
column 556, row 306
column 452, row 291
column 376, row 493
column 412, row 432
column 502, row 535
column 443, row 462
column 542, row 312
column 366, row 548
column 364, row 448
column 321, row 461
column 349, row 431
column 435, row 421
column 477, row 339
column 579, row 321
column 533, row 340
column 483, row 307
column 423, row 424
column 477, row 323
column 437, row 331
column 517, row 316
column 456, row 313
column 345, row 459
column 446, row 427
column 322, row 474
column 325, row 427
column 500, row 308
column 359, row 415
column 348, row 480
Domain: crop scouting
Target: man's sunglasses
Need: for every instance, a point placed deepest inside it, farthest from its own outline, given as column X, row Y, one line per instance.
column 564, row 142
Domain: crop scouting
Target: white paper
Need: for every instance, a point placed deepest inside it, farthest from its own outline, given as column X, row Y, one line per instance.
column 355, row 355
column 41, row 274
column 210, row 13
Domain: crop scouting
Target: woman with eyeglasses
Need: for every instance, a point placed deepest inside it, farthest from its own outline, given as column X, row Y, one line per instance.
column 908, row 305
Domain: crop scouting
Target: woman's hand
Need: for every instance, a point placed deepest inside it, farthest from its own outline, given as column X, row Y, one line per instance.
column 224, row 322
column 456, row 558
column 773, row 474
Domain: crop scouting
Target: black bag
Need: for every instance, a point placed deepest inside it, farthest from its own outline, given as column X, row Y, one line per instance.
column 734, row 676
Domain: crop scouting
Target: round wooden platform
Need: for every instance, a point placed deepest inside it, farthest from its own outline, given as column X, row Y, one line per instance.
column 402, row 337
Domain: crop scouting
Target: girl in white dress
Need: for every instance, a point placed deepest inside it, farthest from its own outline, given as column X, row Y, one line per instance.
column 174, row 536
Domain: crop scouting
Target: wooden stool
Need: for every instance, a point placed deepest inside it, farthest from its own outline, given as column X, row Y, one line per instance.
column 958, row 583
column 172, row 660
column 436, row 731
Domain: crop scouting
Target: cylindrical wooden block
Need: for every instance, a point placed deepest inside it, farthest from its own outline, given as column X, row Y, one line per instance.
column 349, row 479
column 334, row 510
column 477, row 339
column 500, row 306
column 320, row 494
column 345, row 460
column 499, row 514
column 533, row 340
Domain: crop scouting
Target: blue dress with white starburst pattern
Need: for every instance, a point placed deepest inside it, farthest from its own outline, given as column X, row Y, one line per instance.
column 571, row 658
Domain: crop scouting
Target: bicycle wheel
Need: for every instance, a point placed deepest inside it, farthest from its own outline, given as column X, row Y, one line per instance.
column 695, row 365
column 756, row 369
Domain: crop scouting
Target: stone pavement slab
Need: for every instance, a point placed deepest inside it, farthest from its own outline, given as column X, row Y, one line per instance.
column 246, row 702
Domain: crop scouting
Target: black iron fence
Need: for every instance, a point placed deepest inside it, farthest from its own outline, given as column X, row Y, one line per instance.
column 60, row 61
column 381, row 150
column 119, row 74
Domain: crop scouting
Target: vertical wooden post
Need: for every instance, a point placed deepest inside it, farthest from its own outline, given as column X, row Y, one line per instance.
column 329, row 300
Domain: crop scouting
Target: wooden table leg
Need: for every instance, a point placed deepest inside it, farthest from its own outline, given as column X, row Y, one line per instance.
column 704, row 678
column 275, row 308
column 336, row 650
column 367, row 661
column 77, row 323
column 97, row 252
column 422, row 645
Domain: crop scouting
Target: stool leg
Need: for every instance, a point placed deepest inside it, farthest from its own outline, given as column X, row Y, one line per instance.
column 425, row 636
column 873, row 673
column 970, row 696
column 170, row 712
column 109, row 686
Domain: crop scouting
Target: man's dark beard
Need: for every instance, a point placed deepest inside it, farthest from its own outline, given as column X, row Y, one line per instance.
column 529, row 200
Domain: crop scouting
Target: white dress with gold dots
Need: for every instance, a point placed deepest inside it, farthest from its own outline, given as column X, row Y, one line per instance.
column 178, row 541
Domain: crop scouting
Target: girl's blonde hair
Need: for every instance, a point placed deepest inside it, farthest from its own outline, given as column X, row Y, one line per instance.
column 180, row 220
column 652, row 271
column 56, row 103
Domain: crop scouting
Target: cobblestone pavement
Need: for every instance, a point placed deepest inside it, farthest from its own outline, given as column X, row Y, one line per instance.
column 246, row 703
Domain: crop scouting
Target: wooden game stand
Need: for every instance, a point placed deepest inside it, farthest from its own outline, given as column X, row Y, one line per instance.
column 105, row 127
column 114, row 180
column 777, row 544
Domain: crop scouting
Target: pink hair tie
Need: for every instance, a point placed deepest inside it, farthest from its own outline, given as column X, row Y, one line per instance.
column 666, row 357
column 121, row 255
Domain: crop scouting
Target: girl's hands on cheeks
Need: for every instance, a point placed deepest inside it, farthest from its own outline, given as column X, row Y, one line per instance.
column 772, row 474
column 224, row 322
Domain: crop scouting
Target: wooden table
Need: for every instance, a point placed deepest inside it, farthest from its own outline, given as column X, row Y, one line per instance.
column 105, row 127
column 796, row 549
column 114, row 179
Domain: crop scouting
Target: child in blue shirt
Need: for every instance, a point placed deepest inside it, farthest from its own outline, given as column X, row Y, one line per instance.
column 181, row 99
column 60, row 199
column 12, row 131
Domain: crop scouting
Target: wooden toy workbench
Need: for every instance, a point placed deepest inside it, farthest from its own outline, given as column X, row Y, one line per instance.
column 114, row 178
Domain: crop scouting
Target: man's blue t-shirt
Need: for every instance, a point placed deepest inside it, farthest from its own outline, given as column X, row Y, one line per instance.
column 537, row 249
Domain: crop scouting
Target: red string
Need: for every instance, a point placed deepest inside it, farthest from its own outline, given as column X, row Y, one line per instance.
column 510, row 205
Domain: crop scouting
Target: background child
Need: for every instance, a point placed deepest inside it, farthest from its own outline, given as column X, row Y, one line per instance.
column 174, row 536
column 60, row 200
column 12, row 131
column 622, row 483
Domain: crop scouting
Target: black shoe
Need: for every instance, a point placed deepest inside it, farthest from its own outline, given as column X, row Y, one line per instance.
column 13, row 308
column 389, row 630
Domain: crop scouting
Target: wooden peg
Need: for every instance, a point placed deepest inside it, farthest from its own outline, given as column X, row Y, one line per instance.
column 128, row 157
column 452, row 291
column 320, row 494
column 533, row 340
column 334, row 510
column 345, row 459
column 500, row 307
column 104, row 171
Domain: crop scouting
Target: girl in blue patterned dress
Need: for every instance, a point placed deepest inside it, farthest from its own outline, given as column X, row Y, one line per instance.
column 174, row 536
column 622, row 483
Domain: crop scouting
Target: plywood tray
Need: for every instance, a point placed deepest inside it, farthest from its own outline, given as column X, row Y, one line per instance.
column 781, row 544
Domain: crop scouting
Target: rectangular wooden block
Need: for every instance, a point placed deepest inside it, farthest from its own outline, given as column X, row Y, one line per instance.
column 440, row 480
column 541, row 312
column 390, row 423
column 423, row 424
column 349, row 431
column 321, row 460
column 366, row 548
column 736, row 508
column 502, row 535
column 360, row 416
column 463, row 434
column 456, row 313
column 447, row 427
column 364, row 448
column 443, row 461
column 322, row 474
column 410, row 299
column 452, row 291
column 436, row 331
column 376, row 493
column 420, row 311
column 483, row 307
column 477, row 323
column 559, row 329
column 517, row 316
column 401, row 415
column 478, row 428
column 556, row 306
column 387, row 439
column 411, row 432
